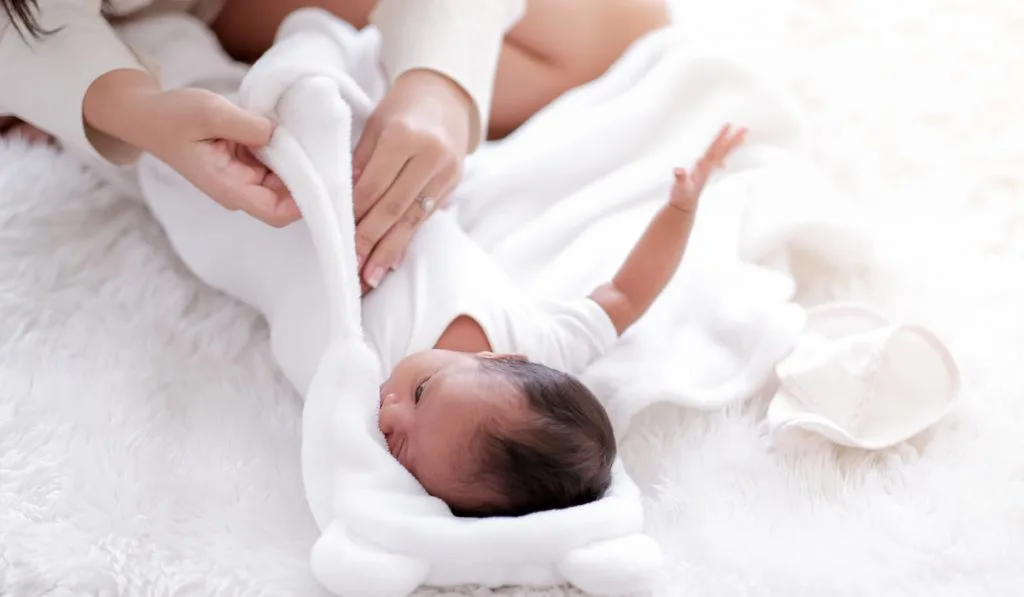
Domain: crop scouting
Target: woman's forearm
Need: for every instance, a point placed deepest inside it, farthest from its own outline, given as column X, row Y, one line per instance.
column 118, row 104
column 46, row 78
column 458, row 39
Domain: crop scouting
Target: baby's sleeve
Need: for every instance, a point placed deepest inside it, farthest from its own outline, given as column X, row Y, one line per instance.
column 570, row 335
column 44, row 80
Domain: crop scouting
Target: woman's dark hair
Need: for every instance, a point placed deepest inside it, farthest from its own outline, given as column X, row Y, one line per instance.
column 560, row 456
column 22, row 14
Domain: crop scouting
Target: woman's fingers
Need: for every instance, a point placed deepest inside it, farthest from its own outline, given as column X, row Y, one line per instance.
column 266, row 205
column 389, row 208
column 387, row 160
column 226, row 120
column 413, row 147
column 388, row 253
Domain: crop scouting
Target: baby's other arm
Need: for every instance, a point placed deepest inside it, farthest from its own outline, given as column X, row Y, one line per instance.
column 656, row 256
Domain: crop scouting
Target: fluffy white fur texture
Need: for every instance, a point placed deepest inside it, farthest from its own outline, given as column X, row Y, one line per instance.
column 145, row 450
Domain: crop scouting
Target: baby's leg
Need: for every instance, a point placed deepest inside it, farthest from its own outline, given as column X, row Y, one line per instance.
column 558, row 44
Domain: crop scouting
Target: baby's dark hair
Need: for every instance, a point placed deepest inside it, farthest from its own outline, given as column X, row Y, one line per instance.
column 561, row 456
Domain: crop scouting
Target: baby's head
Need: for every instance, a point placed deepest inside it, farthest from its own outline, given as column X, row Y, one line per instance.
column 496, row 435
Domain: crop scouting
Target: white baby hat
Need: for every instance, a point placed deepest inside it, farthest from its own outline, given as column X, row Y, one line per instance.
column 861, row 381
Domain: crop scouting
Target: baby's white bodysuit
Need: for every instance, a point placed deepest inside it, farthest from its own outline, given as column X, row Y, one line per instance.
column 447, row 275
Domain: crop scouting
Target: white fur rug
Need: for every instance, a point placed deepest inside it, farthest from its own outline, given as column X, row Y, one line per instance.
column 148, row 445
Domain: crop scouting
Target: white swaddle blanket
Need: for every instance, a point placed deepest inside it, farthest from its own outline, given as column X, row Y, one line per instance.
column 557, row 205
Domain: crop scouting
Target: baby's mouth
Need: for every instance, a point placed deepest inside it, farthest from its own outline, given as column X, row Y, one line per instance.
column 394, row 445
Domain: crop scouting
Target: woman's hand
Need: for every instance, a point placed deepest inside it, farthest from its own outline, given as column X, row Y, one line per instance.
column 202, row 135
column 207, row 139
column 405, row 165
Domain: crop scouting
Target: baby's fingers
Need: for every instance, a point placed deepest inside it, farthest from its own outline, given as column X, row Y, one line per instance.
column 735, row 140
column 724, row 144
column 721, row 139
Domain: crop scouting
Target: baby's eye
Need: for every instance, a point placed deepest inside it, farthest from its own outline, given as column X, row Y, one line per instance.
column 419, row 392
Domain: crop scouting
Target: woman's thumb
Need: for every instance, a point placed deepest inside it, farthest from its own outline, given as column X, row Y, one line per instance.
column 241, row 126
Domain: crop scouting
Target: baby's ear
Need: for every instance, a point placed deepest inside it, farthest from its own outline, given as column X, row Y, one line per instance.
column 504, row 357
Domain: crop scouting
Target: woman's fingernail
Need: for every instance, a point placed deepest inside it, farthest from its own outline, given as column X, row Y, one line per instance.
column 398, row 262
column 376, row 276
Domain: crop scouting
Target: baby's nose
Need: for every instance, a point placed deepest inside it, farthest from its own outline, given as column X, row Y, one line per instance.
column 388, row 410
column 388, row 399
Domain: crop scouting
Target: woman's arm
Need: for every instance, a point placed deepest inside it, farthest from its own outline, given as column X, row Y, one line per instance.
column 441, row 57
column 458, row 39
column 656, row 256
column 76, row 80
column 44, row 79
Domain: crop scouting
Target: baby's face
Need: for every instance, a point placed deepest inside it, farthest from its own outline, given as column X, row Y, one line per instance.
column 431, row 409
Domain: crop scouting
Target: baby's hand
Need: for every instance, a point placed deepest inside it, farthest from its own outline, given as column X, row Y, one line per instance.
column 689, row 185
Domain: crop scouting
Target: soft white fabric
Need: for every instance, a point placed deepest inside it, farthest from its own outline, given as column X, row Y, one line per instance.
column 382, row 535
column 446, row 275
column 148, row 443
column 735, row 319
column 862, row 381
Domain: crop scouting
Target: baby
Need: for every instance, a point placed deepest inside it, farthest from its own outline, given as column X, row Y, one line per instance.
column 491, row 419
column 481, row 405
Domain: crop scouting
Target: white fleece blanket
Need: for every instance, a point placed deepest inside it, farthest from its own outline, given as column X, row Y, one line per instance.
column 381, row 534
column 558, row 205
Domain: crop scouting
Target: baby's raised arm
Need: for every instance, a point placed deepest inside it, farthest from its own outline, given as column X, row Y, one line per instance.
column 655, row 257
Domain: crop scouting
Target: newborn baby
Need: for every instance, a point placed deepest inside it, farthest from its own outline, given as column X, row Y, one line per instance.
column 481, row 405
column 491, row 419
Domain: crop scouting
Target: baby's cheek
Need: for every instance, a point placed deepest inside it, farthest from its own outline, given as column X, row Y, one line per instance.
column 445, row 467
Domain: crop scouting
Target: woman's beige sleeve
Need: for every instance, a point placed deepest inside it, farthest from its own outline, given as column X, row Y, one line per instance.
column 43, row 81
column 460, row 39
